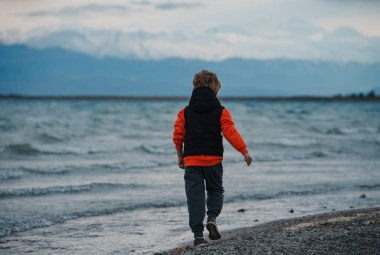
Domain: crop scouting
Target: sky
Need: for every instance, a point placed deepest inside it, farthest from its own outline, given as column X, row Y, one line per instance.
column 337, row 30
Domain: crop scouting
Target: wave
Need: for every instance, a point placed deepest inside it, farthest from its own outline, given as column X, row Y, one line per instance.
column 288, row 142
column 267, row 157
column 22, row 172
column 10, row 174
column 299, row 112
column 369, row 186
column 48, row 138
column 330, row 131
column 71, row 189
column 156, row 150
column 317, row 154
column 21, row 226
column 373, row 141
column 323, row 189
column 26, row 149
column 4, row 127
column 262, row 196
column 54, row 171
column 22, row 149
column 334, row 131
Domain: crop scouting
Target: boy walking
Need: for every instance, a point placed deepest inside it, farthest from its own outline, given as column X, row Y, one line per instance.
column 199, row 127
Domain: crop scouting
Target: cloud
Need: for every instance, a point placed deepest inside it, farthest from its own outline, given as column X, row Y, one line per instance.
column 217, row 45
column 173, row 5
column 72, row 11
column 347, row 44
column 301, row 27
column 101, row 43
column 216, row 30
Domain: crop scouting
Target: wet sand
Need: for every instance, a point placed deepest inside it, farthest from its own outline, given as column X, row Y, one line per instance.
column 343, row 232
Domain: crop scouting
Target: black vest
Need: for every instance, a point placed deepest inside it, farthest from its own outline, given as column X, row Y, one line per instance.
column 202, row 123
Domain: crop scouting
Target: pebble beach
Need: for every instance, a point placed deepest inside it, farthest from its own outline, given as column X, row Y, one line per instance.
column 344, row 232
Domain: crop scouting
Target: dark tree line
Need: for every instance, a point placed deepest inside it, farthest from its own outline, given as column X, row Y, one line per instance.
column 370, row 94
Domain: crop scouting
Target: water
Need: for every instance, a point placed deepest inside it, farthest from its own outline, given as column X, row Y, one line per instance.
column 100, row 177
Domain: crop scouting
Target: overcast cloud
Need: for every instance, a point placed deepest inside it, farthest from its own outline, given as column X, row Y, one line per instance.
column 210, row 30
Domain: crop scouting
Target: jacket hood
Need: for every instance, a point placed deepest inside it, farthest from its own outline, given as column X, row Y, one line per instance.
column 203, row 99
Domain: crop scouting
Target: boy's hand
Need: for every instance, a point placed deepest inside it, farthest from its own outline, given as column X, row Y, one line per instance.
column 247, row 158
column 181, row 164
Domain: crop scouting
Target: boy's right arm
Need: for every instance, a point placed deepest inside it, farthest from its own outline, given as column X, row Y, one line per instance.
column 179, row 135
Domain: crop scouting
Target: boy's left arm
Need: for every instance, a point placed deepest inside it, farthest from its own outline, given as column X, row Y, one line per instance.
column 233, row 136
column 179, row 135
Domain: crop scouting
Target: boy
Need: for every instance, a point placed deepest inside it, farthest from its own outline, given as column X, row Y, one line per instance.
column 199, row 127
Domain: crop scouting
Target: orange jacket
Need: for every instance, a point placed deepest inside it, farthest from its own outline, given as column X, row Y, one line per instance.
column 228, row 130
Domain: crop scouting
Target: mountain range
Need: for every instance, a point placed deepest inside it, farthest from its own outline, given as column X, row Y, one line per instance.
column 56, row 71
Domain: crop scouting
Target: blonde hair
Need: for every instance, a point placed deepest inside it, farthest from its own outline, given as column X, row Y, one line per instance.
column 206, row 78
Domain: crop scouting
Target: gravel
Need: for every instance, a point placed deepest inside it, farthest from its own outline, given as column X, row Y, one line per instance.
column 344, row 232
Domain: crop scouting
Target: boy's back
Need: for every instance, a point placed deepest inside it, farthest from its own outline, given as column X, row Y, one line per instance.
column 199, row 127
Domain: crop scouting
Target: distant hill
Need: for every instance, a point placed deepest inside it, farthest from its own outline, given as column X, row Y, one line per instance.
column 55, row 71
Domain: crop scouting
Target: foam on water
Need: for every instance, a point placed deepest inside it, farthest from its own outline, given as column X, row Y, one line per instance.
column 70, row 189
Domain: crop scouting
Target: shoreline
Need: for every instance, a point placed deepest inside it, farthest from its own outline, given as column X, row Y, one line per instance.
column 354, row 231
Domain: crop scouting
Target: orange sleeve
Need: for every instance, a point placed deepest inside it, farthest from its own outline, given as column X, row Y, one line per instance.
column 179, row 130
column 230, row 132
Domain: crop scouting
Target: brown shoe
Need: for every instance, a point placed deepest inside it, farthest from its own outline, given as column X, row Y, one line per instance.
column 213, row 229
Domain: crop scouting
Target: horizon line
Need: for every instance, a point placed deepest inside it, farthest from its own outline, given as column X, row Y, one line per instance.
column 300, row 98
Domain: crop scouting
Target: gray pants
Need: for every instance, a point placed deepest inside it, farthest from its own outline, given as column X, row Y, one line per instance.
column 195, row 179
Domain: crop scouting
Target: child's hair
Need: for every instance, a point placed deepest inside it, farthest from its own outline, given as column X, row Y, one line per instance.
column 206, row 78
